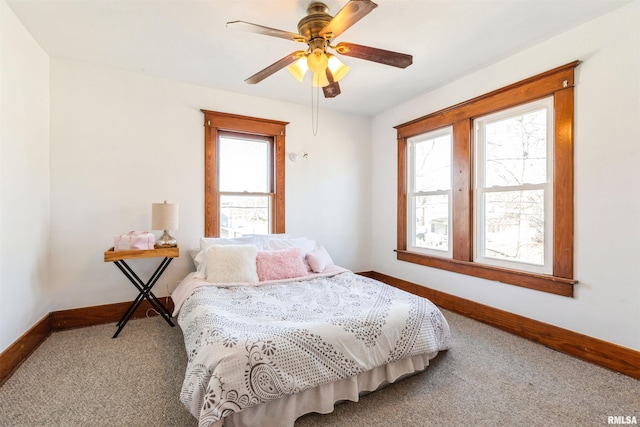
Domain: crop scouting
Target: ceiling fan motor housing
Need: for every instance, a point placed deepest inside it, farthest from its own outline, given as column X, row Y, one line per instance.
column 310, row 26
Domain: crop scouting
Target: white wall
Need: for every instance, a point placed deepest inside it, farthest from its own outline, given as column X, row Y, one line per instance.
column 607, row 181
column 24, row 179
column 121, row 141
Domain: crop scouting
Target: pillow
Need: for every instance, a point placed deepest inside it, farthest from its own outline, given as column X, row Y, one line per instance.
column 263, row 239
column 283, row 264
column 305, row 245
column 319, row 260
column 199, row 260
column 231, row 263
column 196, row 257
column 205, row 242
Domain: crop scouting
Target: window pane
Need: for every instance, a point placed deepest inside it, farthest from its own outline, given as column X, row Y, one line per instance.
column 244, row 215
column 431, row 222
column 432, row 164
column 514, row 226
column 243, row 165
column 516, row 150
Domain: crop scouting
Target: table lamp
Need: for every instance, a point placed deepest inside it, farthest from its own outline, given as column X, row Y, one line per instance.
column 164, row 216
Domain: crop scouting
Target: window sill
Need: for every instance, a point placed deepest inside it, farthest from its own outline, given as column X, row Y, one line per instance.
column 539, row 282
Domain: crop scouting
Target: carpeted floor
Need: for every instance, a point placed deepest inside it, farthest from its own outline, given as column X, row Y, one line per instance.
column 488, row 378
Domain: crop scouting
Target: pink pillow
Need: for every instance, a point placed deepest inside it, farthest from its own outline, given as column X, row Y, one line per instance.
column 319, row 259
column 276, row 265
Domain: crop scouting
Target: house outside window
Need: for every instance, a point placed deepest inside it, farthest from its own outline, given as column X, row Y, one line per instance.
column 502, row 209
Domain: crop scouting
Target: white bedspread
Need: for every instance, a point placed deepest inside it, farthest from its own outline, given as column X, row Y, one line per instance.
column 247, row 345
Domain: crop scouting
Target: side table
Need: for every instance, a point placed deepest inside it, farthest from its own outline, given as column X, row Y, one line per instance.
column 144, row 289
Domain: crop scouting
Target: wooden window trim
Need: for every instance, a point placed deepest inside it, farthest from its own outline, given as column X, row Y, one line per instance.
column 558, row 83
column 216, row 122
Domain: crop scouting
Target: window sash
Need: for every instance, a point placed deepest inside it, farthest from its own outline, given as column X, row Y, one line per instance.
column 235, row 208
column 517, row 231
column 434, row 241
column 232, row 221
column 544, row 262
column 229, row 172
column 440, row 242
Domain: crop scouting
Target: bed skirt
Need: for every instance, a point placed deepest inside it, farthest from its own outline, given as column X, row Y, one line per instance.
column 283, row 412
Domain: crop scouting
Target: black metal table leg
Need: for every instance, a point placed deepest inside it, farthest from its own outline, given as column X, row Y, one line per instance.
column 145, row 289
column 144, row 293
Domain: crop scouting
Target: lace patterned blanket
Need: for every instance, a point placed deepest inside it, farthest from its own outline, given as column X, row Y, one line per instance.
column 250, row 344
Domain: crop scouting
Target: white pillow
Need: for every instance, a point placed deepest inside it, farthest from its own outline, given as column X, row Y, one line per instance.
column 305, row 245
column 263, row 239
column 232, row 263
column 200, row 261
column 319, row 260
column 205, row 242
column 194, row 257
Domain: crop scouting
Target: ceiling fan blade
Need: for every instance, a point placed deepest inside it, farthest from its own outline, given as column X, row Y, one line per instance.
column 351, row 13
column 333, row 88
column 276, row 66
column 267, row 31
column 387, row 57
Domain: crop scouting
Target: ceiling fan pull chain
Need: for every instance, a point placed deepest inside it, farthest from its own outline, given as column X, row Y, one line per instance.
column 315, row 106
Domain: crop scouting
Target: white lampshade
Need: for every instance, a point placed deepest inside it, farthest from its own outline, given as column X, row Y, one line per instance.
column 317, row 61
column 164, row 216
column 299, row 68
column 338, row 69
column 320, row 79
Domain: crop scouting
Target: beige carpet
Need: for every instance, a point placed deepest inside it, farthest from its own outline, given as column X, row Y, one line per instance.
column 488, row 378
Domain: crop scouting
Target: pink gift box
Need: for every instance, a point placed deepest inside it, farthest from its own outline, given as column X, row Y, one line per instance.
column 134, row 240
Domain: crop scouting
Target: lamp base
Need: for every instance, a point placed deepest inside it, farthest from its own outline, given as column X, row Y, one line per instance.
column 166, row 241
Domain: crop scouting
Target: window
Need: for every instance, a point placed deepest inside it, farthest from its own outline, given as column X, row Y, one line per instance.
column 245, row 184
column 429, row 198
column 244, row 175
column 485, row 188
column 514, row 187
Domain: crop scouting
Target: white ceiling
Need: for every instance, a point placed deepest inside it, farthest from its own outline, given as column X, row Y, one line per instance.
column 188, row 40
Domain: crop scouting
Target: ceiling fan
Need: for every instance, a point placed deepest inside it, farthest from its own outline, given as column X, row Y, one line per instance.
column 318, row 29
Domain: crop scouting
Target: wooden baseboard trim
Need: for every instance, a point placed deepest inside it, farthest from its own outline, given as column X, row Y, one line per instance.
column 608, row 355
column 100, row 314
column 13, row 356
column 16, row 353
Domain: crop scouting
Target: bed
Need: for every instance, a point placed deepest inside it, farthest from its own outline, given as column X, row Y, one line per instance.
column 274, row 330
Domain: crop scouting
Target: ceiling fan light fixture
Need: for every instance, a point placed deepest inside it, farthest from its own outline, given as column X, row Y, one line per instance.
column 317, row 61
column 299, row 68
column 338, row 69
column 320, row 79
column 318, row 29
